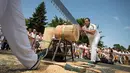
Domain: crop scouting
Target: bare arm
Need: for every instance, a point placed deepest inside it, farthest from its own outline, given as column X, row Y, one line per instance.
column 92, row 32
column 120, row 54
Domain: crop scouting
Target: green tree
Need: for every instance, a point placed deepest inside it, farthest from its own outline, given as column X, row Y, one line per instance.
column 119, row 47
column 27, row 21
column 80, row 21
column 83, row 38
column 58, row 21
column 39, row 19
column 101, row 43
column 122, row 47
column 129, row 47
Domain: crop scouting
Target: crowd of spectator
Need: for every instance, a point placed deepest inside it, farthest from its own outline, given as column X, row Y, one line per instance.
column 82, row 50
column 35, row 37
column 106, row 55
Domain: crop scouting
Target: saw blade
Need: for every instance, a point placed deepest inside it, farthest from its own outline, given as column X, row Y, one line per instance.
column 64, row 11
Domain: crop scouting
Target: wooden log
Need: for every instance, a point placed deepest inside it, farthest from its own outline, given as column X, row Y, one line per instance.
column 47, row 37
column 94, row 70
column 69, row 32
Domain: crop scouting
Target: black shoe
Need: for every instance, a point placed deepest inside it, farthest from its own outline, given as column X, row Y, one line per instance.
column 91, row 62
column 95, row 62
column 40, row 57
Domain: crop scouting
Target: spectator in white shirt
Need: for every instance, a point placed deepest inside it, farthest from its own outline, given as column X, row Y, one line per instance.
column 81, row 47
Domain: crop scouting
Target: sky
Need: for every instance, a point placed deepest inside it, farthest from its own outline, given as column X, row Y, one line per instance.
column 112, row 16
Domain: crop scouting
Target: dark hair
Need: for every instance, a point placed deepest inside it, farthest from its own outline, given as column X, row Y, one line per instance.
column 87, row 18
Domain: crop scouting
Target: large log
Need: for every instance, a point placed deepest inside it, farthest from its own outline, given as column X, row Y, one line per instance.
column 47, row 37
column 69, row 32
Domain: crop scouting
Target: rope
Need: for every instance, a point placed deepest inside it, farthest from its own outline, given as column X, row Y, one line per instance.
column 63, row 30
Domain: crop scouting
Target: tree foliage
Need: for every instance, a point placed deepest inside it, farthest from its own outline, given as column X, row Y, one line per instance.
column 58, row 21
column 119, row 47
column 101, row 43
column 27, row 21
column 38, row 19
column 80, row 21
column 83, row 38
column 129, row 47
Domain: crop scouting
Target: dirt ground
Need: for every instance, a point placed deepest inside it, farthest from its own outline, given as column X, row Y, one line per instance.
column 10, row 64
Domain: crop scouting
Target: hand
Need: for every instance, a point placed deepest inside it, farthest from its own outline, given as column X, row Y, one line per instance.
column 81, row 29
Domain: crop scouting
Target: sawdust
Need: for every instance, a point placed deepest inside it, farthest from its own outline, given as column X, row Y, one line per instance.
column 56, row 69
column 10, row 64
column 77, row 63
column 119, row 71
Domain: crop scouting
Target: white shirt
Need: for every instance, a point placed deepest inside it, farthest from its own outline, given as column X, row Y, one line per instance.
column 2, row 38
column 37, row 37
column 129, row 56
column 29, row 34
column 33, row 35
column 81, row 46
column 1, row 32
column 91, row 27
column 85, row 47
column 75, row 46
column 105, row 51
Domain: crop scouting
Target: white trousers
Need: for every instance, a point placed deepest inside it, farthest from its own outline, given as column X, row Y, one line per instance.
column 13, row 26
column 94, row 43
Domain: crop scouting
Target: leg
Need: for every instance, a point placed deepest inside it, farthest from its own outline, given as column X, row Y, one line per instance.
column 3, row 6
column 65, row 49
column 13, row 25
column 121, row 60
column 56, row 49
column 94, row 56
column 72, row 53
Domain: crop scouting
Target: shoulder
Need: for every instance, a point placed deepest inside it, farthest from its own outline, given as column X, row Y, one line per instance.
column 92, row 26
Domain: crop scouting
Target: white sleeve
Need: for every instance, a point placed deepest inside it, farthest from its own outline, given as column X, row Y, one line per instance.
column 129, row 54
column 93, row 27
column 33, row 35
column 80, row 46
column 37, row 36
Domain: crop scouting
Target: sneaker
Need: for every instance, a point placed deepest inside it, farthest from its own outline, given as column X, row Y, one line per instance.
column 40, row 57
column 91, row 62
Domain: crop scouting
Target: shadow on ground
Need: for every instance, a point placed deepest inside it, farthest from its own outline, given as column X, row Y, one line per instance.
column 117, row 67
column 5, row 52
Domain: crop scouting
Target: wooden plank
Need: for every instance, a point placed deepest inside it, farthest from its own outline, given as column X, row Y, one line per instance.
column 73, row 66
column 94, row 70
column 68, row 66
